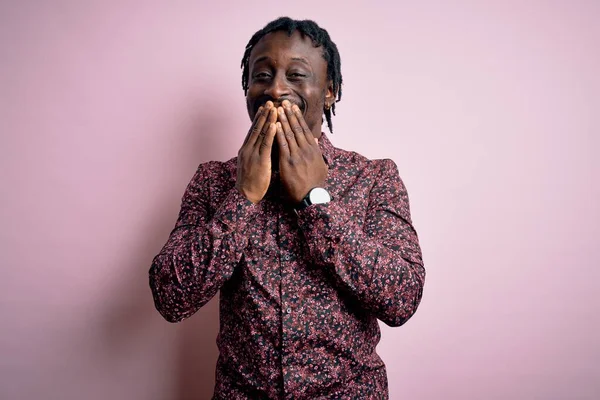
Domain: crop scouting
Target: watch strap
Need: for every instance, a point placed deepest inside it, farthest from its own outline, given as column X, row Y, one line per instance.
column 305, row 202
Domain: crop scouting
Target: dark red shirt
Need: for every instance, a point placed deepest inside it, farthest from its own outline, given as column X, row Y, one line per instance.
column 300, row 294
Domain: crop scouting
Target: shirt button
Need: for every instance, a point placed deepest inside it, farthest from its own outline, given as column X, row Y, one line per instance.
column 286, row 257
column 289, row 310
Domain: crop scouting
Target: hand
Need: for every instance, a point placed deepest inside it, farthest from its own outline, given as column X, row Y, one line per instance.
column 254, row 157
column 301, row 162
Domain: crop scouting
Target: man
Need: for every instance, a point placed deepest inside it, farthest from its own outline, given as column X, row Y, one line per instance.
column 308, row 244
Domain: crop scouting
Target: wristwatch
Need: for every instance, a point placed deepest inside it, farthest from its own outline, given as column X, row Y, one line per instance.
column 316, row 195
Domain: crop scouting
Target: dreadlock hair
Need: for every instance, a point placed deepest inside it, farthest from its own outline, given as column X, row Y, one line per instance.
column 319, row 37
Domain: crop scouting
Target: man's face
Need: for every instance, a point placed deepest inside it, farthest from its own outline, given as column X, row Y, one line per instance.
column 283, row 67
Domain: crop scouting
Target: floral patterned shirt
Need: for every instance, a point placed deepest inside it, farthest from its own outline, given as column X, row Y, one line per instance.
column 300, row 292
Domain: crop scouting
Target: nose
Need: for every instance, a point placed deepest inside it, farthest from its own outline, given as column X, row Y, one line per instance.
column 278, row 88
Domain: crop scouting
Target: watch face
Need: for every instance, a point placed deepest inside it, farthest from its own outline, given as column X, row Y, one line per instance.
column 319, row 196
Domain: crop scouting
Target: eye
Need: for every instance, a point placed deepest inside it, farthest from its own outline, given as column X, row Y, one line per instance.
column 296, row 75
column 261, row 76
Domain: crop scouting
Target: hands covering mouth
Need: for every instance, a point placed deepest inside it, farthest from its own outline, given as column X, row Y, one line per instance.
column 283, row 103
column 300, row 160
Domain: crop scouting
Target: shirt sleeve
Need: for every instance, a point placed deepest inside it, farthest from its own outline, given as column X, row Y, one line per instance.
column 381, row 263
column 202, row 250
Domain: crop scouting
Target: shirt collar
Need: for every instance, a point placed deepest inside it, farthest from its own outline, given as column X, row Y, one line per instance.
column 326, row 148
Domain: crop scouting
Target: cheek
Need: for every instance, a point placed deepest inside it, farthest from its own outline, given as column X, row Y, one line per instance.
column 253, row 94
column 249, row 108
column 312, row 94
column 315, row 102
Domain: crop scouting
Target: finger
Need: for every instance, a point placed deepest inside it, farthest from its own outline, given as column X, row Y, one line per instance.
column 267, row 142
column 284, row 149
column 254, row 122
column 310, row 138
column 294, row 124
column 257, row 128
column 271, row 119
column 289, row 135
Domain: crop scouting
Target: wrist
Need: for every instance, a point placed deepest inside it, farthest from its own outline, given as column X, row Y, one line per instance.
column 249, row 197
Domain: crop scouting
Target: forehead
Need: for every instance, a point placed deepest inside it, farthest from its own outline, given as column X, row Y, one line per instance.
column 280, row 47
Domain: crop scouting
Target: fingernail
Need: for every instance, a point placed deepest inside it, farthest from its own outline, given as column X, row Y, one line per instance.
column 295, row 108
column 280, row 109
column 286, row 103
column 269, row 104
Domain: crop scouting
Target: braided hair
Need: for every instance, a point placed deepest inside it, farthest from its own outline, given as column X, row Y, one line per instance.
column 319, row 37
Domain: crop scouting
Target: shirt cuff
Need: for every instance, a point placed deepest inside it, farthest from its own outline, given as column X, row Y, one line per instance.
column 236, row 212
column 322, row 220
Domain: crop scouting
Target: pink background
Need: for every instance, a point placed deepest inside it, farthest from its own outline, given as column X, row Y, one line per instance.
column 490, row 111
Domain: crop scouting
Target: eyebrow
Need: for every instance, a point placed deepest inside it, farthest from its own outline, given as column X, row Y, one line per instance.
column 259, row 59
column 301, row 59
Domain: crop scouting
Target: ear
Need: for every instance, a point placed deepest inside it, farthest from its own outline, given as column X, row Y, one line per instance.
column 329, row 95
